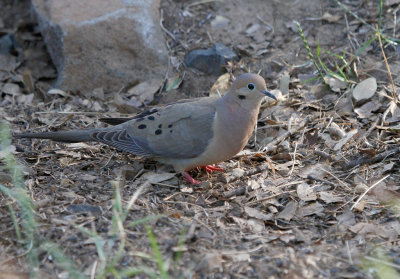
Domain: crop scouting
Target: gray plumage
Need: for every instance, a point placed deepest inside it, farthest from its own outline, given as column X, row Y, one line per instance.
column 185, row 134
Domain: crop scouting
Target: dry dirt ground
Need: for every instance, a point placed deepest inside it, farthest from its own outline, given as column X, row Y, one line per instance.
column 287, row 208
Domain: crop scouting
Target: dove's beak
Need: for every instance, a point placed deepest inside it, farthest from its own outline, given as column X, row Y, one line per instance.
column 269, row 94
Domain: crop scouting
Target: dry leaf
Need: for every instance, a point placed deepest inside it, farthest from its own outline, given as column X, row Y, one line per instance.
column 329, row 197
column 143, row 93
column 310, row 209
column 306, row 192
column 154, row 177
column 343, row 141
column 254, row 225
column 335, row 84
column 174, row 82
column 316, row 170
column 11, row 88
column 336, row 132
column 366, row 110
column 371, row 152
column 221, row 86
column 330, row 18
column 252, row 212
column 288, row 212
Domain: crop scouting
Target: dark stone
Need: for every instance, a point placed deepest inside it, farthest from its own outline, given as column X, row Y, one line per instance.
column 160, row 126
column 142, row 126
column 7, row 44
column 158, row 132
column 170, row 125
column 242, row 97
column 151, row 117
column 211, row 60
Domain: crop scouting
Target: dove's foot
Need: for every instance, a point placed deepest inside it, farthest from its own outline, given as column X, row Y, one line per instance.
column 211, row 169
column 189, row 178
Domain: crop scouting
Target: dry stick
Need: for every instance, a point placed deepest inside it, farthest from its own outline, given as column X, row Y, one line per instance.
column 312, row 177
column 201, row 2
column 294, row 160
column 93, row 270
column 235, row 192
column 163, row 28
column 375, row 159
column 359, row 199
column 270, row 146
column 387, row 65
column 324, row 155
column 349, row 252
column 366, row 134
column 270, row 197
column 383, row 262
column 334, row 176
column 258, row 169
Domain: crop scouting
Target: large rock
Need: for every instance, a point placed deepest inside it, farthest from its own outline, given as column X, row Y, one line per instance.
column 102, row 43
column 210, row 60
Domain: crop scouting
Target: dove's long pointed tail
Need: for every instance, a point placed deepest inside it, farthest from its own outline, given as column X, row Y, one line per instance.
column 62, row 136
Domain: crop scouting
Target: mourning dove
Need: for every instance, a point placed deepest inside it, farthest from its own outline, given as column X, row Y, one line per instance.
column 186, row 134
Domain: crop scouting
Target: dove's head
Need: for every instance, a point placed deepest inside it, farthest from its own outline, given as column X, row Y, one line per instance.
column 249, row 90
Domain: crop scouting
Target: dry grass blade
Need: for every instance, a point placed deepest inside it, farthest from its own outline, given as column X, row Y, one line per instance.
column 369, row 189
column 387, row 65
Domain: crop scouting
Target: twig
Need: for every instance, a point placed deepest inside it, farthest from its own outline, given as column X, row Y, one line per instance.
column 324, row 155
column 250, row 172
column 395, row 22
column 353, row 14
column 163, row 28
column 375, row 159
column 235, row 192
column 334, row 176
column 383, row 262
column 201, row 2
column 69, row 112
column 312, row 177
column 349, row 252
column 266, row 24
column 366, row 134
column 387, row 65
column 366, row 191
column 270, row 197
column 93, row 270
column 294, row 160
column 270, row 146
column 165, row 185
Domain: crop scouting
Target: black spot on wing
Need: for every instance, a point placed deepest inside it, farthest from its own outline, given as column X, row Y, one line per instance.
column 146, row 113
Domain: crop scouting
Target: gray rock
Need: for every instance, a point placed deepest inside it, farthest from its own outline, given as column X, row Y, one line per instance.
column 210, row 60
column 7, row 43
column 364, row 91
column 102, row 43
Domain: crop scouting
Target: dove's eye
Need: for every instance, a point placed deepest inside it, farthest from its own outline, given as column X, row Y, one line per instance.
column 251, row 86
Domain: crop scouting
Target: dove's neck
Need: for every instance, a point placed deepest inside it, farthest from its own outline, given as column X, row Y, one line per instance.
column 236, row 122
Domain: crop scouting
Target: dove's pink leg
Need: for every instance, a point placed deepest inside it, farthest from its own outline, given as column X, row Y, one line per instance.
column 189, row 179
column 210, row 168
